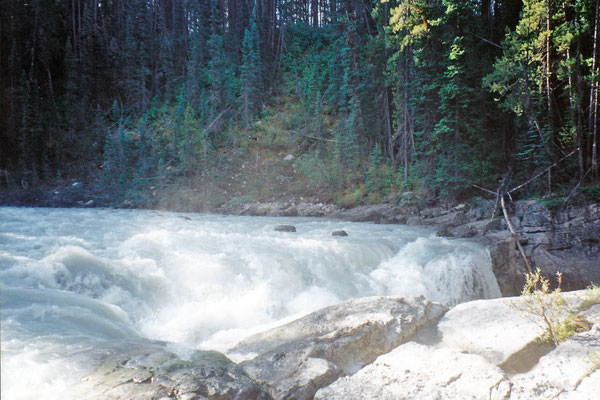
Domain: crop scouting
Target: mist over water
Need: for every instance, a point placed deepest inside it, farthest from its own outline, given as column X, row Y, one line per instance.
column 74, row 282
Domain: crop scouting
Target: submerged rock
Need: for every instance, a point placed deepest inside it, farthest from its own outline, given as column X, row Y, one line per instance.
column 285, row 228
column 300, row 357
column 339, row 233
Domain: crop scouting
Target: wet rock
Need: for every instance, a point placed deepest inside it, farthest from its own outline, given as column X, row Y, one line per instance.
column 339, row 233
column 302, row 356
column 285, row 228
column 149, row 371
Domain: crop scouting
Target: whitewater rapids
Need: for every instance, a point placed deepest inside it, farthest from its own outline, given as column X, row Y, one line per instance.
column 74, row 282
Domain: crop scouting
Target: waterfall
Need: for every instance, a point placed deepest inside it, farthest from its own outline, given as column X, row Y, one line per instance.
column 73, row 280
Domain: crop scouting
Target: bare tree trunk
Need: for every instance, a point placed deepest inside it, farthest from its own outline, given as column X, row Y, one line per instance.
column 593, row 117
column 548, row 48
column 74, row 27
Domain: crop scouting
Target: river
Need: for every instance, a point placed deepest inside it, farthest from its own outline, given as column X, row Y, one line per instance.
column 73, row 281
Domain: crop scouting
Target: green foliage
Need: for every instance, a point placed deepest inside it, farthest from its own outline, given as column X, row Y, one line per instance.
column 381, row 178
column 449, row 92
column 591, row 298
column 546, row 307
column 352, row 197
column 550, row 311
column 251, row 72
column 591, row 192
column 553, row 202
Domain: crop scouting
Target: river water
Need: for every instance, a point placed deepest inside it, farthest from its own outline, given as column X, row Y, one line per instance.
column 74, row 280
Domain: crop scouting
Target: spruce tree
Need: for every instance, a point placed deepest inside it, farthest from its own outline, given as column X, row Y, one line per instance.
column 251, row 73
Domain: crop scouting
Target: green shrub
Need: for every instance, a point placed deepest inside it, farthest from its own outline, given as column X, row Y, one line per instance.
column 239, row 200
column 352, row 197
column 547, row 307
column 591, row 192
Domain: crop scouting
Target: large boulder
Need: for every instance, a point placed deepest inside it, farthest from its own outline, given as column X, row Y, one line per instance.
column 302, row 356
column 147, row 370
column 416, row 371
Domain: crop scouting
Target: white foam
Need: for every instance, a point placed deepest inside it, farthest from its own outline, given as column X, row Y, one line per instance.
column 96, row 276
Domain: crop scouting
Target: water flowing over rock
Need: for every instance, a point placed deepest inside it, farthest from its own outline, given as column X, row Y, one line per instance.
column 285, row 228
column 76, row 281
column 302, row 356
column 565, row 240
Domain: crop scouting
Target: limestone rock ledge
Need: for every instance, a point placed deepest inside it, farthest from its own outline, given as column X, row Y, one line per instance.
column 482, row 350
column 299, row 358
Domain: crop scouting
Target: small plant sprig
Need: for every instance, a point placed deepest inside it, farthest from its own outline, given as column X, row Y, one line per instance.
column 546, row 307
column 594, row 360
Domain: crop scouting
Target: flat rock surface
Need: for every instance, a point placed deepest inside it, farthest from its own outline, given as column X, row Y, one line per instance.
column 489, row 328
column 415, row 371
column 565, row 371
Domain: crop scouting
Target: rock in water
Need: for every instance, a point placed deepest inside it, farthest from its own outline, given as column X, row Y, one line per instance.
column 339, row 233
column 148, row 371
column 298, row 358
column 285, row 228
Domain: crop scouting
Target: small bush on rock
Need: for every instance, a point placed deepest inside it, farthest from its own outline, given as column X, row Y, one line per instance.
column 548, row 308
column 545, row 306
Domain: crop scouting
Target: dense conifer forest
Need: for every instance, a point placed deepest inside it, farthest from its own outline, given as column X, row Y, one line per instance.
column 372, row 98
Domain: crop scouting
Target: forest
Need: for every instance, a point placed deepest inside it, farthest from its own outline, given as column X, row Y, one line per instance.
column 372, row 98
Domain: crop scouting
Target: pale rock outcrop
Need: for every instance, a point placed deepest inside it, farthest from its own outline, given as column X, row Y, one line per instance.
column 416, row 371
column 483, row 349
column 566, row 371
column 489, row 328
column 298, row 358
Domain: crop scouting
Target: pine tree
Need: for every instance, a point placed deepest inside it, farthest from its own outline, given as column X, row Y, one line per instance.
column 251, row 74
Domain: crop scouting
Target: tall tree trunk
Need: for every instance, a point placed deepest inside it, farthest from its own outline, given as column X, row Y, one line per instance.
column 548, row 50
column 593, row 116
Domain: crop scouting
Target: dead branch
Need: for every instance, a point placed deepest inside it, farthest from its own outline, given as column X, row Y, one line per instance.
column 515, row 234
column 541, row 173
